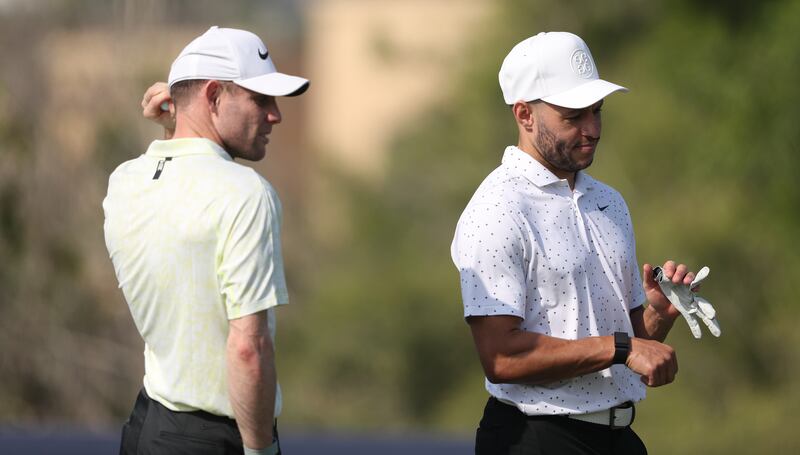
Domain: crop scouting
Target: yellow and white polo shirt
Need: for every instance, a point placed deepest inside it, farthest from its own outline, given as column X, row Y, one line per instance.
column 195, row 242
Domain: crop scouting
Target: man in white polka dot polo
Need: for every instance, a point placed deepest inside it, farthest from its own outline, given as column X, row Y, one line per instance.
column 549, row 277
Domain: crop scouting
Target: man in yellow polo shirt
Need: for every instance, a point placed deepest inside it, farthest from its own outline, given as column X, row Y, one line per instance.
column 195, row 242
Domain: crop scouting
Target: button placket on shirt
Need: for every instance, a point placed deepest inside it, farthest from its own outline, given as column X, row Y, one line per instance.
column 574, row 199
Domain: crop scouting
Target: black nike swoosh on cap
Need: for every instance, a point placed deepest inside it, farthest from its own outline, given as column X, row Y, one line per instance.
column 601, row 208
column 263, row 55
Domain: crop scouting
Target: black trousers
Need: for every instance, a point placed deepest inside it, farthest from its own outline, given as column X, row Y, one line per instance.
column 152, row 429
column 505, row 430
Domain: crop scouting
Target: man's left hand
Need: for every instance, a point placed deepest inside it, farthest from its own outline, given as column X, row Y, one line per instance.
column 678, row 274
column 678, row 289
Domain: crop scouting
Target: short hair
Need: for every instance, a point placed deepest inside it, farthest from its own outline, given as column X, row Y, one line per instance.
column 182, row 91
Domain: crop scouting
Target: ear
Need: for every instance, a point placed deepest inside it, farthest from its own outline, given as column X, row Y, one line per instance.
column 212, row 91
column 523, row 114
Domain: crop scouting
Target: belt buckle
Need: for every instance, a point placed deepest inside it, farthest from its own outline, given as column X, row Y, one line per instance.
column 612, row 415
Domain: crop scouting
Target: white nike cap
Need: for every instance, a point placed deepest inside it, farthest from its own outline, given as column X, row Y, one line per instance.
column 555, row 67
column 228, row 54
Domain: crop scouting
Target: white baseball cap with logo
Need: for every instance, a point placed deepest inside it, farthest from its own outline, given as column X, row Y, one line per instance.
column 229, row 54
column 555, row 67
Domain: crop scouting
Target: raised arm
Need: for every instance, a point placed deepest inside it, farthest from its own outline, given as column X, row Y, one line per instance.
column 252, row 379
column 152, row 101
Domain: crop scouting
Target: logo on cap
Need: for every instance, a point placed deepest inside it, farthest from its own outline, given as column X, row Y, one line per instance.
column 263, row 55
column 582, row 64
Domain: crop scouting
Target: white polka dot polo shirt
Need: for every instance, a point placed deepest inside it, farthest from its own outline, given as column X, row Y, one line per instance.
column 564, row 261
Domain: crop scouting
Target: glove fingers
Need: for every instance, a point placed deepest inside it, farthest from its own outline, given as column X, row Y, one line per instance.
column 713, row 325
column 693, row 325
column 690, row 304
column 701, row 275
column 705, row 307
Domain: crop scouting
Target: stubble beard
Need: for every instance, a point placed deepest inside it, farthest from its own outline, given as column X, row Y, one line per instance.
column 556, row 152
column 247, row 152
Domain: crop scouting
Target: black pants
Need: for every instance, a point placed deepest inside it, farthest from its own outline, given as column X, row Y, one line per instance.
column 505, row 430
column 153, row 429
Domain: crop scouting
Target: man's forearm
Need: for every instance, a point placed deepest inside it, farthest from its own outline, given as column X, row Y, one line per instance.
column 540, row 359
column 511, row 355
column 251, row 387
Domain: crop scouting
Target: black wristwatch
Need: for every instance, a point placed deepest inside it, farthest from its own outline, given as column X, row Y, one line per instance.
column 622, row 347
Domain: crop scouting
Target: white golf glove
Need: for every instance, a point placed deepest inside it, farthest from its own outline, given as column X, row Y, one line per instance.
column 688, row 303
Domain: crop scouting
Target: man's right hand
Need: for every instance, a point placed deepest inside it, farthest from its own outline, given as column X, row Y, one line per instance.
column 655, row 362
column 154, row 97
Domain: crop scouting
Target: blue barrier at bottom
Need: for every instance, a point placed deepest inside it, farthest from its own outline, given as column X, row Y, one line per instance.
column 82, row 442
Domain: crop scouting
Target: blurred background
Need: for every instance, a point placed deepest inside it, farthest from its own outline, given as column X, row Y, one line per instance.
column 403, row 120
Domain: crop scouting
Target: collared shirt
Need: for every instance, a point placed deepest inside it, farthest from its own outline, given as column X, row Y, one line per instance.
column 195, row 242
column 564, row 261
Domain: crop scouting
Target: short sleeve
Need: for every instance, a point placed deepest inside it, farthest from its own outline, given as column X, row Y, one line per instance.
column 489, row 252
column 249, row 259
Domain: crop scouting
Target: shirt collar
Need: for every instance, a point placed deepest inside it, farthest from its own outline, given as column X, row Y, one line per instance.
column 526, row 165
column 584, row 182
column 186, row 146
column 537, row 173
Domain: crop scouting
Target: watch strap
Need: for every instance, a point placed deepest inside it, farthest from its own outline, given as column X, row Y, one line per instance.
column 622, row 347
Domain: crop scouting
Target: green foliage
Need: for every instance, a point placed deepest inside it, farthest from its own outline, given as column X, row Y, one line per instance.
column 704, row 149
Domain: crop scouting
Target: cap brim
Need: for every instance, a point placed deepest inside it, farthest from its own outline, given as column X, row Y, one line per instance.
column 584, row 95
column 276, row 84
